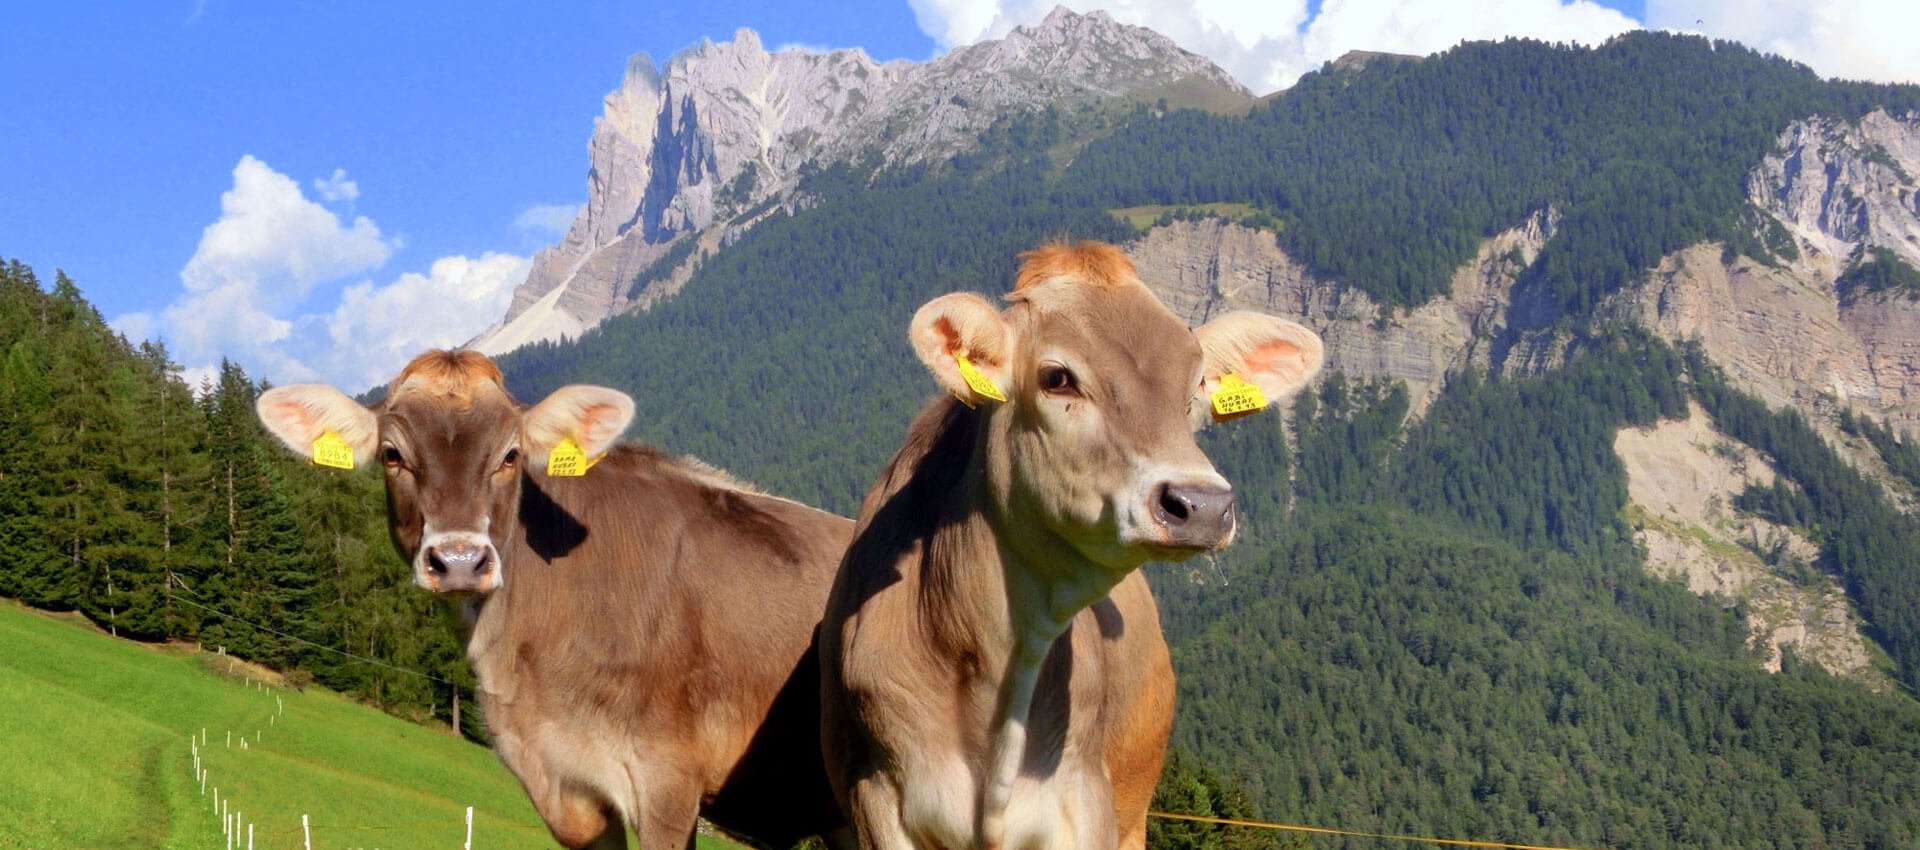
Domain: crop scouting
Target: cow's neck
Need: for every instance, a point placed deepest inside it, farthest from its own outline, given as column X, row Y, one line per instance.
column 535, row 552
column 1043, row 582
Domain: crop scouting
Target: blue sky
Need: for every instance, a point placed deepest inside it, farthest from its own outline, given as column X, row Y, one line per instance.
column 126, row 119
column 402, row 135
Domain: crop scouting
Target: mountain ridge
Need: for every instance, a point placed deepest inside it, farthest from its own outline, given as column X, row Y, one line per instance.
column 727, row 127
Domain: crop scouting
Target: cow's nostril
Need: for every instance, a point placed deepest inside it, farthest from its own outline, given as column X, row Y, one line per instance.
column 1174, row 505
column 459, row 558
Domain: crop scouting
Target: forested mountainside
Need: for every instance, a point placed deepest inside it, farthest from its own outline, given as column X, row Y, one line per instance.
column 1456, row 631
column 1388, row 178
column 165, row 516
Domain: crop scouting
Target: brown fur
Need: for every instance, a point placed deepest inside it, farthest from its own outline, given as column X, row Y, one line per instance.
column 1094, row 263
column 648, row 657
column 456, row 375
column 993, row 669
column 919, row 578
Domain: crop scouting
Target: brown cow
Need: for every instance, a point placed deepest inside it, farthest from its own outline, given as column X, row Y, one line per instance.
column 993, row 670
column 642, row 633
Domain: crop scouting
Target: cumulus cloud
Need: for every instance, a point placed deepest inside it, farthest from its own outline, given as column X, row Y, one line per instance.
column 546, row 219
column 376, row 329
column 264, row 289
column 336, row 187
column 270, row 239
column 1268, row 44
column 1856, row 39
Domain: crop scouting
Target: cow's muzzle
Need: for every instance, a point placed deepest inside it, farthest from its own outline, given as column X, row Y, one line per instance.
column 1193, row 516
column 458, row 563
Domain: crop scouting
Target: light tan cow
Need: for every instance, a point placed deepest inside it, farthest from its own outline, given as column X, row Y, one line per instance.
column 993, row 672
column 642, row 633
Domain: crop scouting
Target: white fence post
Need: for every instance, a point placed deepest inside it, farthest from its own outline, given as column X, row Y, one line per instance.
column 469, row 844
column 306, row 837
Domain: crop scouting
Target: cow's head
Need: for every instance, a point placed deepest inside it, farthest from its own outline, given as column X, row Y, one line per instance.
column 454, row 444
column 1094, row 447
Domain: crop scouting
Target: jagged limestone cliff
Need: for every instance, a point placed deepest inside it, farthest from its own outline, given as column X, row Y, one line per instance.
column 725, row 128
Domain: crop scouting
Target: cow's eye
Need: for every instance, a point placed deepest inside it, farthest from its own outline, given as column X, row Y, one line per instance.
column 513, row 457
column 1056, row 379
column 391, row 457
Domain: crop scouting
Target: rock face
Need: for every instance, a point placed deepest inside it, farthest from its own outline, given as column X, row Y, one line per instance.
column 1838, row 185
column 1785, row 333
column 1681, row 481
column 725, row 127
column 1206, row 267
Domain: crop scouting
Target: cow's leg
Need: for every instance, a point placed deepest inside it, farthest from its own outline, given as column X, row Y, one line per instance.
column 876, row 815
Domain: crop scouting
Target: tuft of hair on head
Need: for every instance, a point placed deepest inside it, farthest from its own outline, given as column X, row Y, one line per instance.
column 1096, row 263
column 455, row 374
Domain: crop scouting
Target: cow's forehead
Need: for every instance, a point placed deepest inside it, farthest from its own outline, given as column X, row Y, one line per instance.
column 444, row 408
column 1118, row 329
column 451, row 391
column 459, row 377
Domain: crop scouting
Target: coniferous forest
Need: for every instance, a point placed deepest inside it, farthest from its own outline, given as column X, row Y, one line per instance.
column 164, row 512
column 1436, row 625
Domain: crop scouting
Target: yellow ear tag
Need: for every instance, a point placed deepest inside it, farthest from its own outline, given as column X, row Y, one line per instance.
column 1236, row 398
column 568, row 461
column 332, row 451
column 981, row 385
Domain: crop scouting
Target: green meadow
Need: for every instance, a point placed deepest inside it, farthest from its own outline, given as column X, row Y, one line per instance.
column 97, row 751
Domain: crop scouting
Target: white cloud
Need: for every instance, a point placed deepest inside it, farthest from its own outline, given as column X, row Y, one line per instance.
column 274, row 242
column 376, row 329
column 1268, row 44
column 133, row 326
column 245, row 293
column 546, row 219
column 1857, row 39
column 336, row 187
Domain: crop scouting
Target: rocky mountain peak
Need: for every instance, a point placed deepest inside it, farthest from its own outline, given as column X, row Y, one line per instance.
column 723, row 127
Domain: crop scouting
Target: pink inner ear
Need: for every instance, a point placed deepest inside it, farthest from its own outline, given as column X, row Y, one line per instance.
column 944, row 327
column 290, row 416
column 1273, row 358
column 596, row 423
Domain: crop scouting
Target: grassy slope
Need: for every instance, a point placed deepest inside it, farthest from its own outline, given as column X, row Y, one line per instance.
column 95, row 752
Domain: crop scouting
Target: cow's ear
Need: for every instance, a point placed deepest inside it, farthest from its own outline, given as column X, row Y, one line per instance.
column 1276, row 355
column 963, row 324
column 593, row 417
column 301, row 414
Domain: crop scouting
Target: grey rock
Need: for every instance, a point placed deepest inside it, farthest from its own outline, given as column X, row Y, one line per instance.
column 725, row 127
